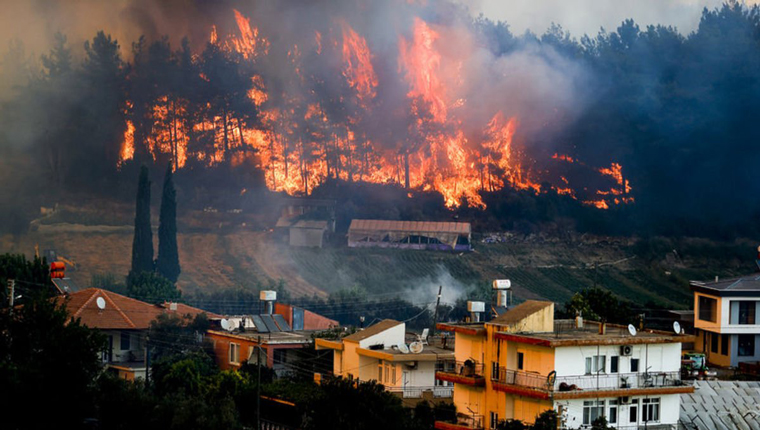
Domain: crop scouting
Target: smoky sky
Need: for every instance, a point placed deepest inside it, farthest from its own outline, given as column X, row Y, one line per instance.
column 588, row 16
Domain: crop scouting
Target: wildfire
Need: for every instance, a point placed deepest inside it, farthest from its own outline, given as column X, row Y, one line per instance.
column 301, row 142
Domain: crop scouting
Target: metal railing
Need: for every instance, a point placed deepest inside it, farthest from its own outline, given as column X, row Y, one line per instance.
column 601, row 381
column 471, row 421
column 614, row 381
column 468, row 368
column 417, row 392
column 519, row 377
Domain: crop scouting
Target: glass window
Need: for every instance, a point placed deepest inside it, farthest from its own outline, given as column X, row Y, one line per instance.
column 380, row 372
column 234, row 353
column 651, row 410
column 746, row 345
column 746, row 312
column 714, row 340
column 633, row 412
column 614, row 364
column 125, row 341
column 520, row 360
column 592, row 409
column 707, row 309
column 724, row 344
column 494, row 370
column 634, row 365
column 596, row 363
column 494, row 420
column 393, row 374
column 612, row 416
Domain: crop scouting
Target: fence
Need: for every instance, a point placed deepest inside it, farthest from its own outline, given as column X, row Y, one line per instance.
column 417, row 392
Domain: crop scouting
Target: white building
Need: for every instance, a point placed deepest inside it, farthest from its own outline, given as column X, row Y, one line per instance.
column 382, row 353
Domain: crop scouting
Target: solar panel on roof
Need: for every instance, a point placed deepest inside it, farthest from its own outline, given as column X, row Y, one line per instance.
column 281, row 322
column 270, row 323
column 259, row 323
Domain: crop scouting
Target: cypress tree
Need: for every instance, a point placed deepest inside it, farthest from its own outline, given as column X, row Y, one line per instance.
column 142, row 245
column 168, row 256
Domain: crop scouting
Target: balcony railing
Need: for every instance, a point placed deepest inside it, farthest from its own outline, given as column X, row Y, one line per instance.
column 416, row 392
column 601, row 381
column 468, row 368
column 470, row 421
column 614, row 381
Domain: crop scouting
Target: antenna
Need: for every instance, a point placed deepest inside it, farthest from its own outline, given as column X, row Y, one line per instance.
column 676, row 327
column 416, row 347
column 101, row 302
column 631, row 329
column 225, row 324
column 403, row 348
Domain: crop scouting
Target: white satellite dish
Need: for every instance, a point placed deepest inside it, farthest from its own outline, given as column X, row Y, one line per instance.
column 101, row 302
column 403, row 348
column 416, row 347
column 631, row 329
column 225, row 324
column 676, row 327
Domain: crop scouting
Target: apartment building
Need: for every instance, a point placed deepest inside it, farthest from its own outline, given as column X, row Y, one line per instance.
column 725, row 319
column 524, row 362
column 383, row 353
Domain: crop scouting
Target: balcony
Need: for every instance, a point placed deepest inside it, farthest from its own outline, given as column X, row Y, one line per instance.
column 581, row 386
column 467, row 372
column 471, row 421
column 437, row 392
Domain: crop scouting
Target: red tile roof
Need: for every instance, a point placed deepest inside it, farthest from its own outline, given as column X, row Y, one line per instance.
column 120, row 312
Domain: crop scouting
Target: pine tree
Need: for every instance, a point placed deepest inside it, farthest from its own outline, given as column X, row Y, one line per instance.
column 142, row 245
column 167, row 263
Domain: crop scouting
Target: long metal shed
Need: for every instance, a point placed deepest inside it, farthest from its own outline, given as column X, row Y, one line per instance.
column 440, row 236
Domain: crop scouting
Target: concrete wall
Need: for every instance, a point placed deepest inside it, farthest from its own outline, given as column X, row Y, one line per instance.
column 732, row 317
column 571, row 360
column 720, row 320
column 390, row 337
column 573, row 410
column 136, row 345
column 734, row 346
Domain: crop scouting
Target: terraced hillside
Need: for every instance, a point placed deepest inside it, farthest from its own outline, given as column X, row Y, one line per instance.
column 234, row 253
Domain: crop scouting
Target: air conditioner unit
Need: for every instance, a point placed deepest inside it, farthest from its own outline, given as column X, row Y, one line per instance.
column 626, row 350
column 623, row 400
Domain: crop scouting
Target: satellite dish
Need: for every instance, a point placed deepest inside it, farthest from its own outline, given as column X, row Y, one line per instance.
column 416, row 347
column 403, row 348
column 101, row 302
column 631, row 329
column 225, row 324
column 676, row 327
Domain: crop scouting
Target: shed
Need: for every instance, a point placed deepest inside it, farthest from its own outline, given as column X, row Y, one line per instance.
column 410, row 234
column 308, row 233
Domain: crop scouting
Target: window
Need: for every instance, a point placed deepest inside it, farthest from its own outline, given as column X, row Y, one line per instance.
column 494, row 420
column 746, row 345
column 393, row 374
column 125, row 341
column 596, row 364
column 614, row 364
column 280, row 356
column 746, row 312
column 592, row 409
column 714, row 340
column 612, row 416
column 707, row 309
column 494, row 370
column 724, row 344
column 633, row 412
column 651, row 410
column 234, row 353
column 520, row 360
column 634, row 365
column 387, row 373
column 380, row 372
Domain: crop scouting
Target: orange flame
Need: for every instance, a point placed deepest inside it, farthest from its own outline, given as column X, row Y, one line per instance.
column 358, row 70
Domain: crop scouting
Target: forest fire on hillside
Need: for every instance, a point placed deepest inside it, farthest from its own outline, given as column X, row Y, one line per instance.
column 319, row 127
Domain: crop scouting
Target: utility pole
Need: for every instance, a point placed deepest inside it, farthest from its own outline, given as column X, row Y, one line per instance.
column 11, row 293
column 437, row 303
column 147, row 359
column 258, row 386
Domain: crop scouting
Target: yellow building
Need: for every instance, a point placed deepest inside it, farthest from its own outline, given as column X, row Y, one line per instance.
column 726, row 320
column 523, row 363
column 381, row 353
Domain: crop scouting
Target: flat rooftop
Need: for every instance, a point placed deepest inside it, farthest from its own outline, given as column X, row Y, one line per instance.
column 566, row 334
column 280, row 337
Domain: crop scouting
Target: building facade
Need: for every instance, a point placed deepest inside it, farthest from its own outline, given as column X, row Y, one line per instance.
column 725, row 320
column 380, row 353
column 523, row 363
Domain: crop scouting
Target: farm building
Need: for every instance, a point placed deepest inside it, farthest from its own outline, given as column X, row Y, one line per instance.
column 440, row 236
column 308, row 233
